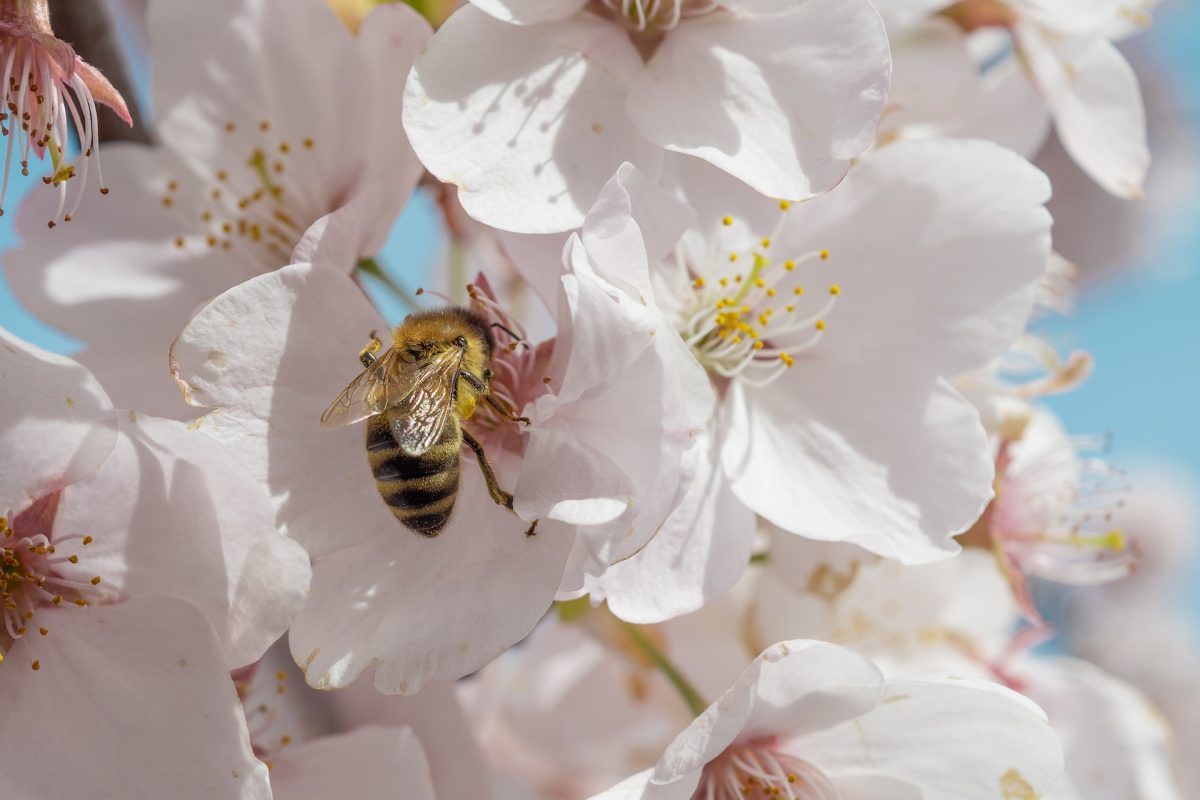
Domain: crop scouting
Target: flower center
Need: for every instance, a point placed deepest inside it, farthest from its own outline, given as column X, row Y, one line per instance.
column 751, row 313
column 757, row 770
column 31, row 572
column 39, row 99
column 1054, row 512
column 259, row 204
column 653, row 16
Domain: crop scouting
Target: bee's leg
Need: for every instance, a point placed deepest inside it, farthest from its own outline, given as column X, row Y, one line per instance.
column 498, row 494
column 366, row 356
column 504, row 409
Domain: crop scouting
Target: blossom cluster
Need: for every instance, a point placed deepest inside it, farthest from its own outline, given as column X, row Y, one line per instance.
column 712, row 462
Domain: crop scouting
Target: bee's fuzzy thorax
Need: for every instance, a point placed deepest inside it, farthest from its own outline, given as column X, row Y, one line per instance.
column 437, row 329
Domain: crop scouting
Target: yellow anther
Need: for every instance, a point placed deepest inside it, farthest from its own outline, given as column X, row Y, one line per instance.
column 799, row 290
column 698, row 283
column 727, row 220
column 771, row 292
column 733, row 256
column 724, row 282
column 820, row 325
column 36, row 665
column 835, row 289
column 784, row 205
column 96, row 580
column 759, row 282
column 766, row 242
column 87, row 540
column 824, row 254
column 73, row 559
column 758, row 345
column 789, row 265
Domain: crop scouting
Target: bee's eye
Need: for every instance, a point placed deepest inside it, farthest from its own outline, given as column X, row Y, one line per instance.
column 461, row 341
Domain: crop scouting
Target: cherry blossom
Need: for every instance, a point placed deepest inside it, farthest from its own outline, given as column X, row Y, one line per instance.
column 140, row 565
column 802, row 323
column 609, row 415
column 810, row 720
column 259, row 140
column 553, row 97
column 1067, row 53
column 47, row 91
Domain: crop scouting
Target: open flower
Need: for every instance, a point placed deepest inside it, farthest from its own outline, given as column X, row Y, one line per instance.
column 47, row 90
column 608, row 419
column 813, row 721
column 138, row 565
column 1066, row 52
column 259, row 140
column 1054, row 515
column 529, row 107
column 831, row 350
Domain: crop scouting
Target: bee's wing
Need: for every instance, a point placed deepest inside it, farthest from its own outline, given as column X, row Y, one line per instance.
column 374, row 391
column 419, row 418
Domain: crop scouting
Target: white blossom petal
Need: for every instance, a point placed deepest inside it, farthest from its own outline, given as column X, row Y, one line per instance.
column 56, row 423
column 528, row 122
column 173, row 513
column 781, row 101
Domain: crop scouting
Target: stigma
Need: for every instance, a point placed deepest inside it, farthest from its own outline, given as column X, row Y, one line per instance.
column 753, row 311
column 758, row 771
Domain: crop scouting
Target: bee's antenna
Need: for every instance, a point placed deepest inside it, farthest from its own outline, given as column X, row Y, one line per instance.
column 508, row 330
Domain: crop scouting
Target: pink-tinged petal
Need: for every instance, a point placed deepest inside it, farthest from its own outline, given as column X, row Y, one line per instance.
column 56, row 423
column 102, row 91
column 399, row 604
column 1097, row 107
column 793, row 688
column 456, row 762
column 952, row 738
column 959, row 239
column 781, row 101
column 370, row 763
column 391, row 38
column 173, row 513
column 530, row 12
column 528, row 122
column 132, row 701
column 883, row 458
column 695, row 557
column 272, row 354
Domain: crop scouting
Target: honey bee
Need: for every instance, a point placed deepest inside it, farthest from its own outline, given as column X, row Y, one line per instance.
column 415, row 398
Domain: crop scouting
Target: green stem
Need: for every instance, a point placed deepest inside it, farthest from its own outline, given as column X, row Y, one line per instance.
column 369, row 266
column 688, row 692
column 760, row 558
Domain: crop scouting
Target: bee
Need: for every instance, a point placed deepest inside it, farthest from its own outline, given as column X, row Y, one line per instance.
column 415, row 399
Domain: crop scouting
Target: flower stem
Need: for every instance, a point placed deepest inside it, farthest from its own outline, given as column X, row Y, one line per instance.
column 369, row 266
column 695, row 702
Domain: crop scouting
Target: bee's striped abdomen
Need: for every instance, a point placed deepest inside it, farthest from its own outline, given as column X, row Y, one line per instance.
column 419, row 490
